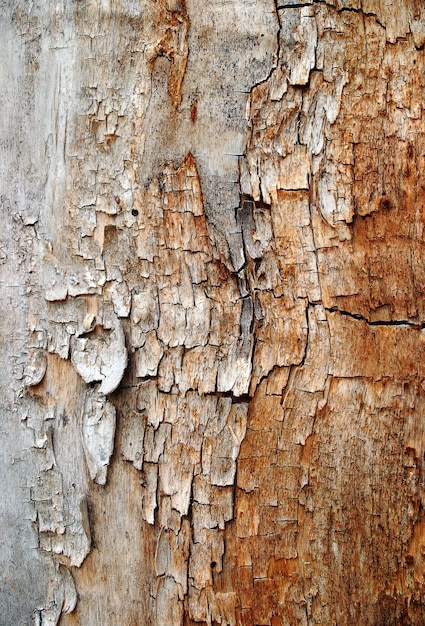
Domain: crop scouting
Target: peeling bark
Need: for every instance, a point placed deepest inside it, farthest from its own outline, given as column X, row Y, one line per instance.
column 212, row 281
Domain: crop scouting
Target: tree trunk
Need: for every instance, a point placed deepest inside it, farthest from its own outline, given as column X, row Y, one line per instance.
column 212, row 292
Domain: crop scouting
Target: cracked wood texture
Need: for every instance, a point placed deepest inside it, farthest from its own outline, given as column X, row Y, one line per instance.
column 212, row 278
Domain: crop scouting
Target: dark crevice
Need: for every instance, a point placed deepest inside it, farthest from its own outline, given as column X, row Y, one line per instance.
column 276, row 64
column 307, row 340
column 295, row 5
column 146, row 378
column 301, row 5
column 258, row 203
column 244, row 398
column 359, row 317
column 236, row 399
column 359, row 11
column 289, row 385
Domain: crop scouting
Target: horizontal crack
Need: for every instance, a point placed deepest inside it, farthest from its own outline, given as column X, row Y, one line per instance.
column 288, row 4
column 359, row 317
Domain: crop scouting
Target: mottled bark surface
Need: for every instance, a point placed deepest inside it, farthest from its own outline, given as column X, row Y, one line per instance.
column 212, row 294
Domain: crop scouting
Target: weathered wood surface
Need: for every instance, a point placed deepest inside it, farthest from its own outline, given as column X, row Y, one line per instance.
column 212, row 293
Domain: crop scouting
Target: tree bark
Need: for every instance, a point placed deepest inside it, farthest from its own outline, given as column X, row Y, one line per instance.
column 212, row 292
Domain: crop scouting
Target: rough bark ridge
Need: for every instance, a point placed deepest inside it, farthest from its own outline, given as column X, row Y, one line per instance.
column 214, row 378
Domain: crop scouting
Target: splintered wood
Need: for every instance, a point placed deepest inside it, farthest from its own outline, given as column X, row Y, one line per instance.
column 214, row 252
